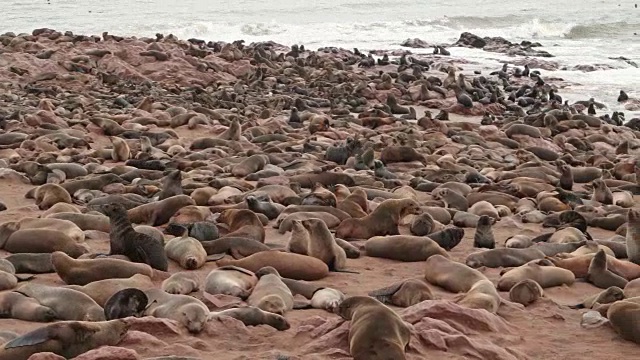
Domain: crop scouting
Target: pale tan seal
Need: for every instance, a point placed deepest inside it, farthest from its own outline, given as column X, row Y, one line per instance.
column 59, row 208
column 545, row 276
column 230, row 280
column 404, row 293
column 100, row 291
column 82, row 272
column 202, row 195
column 159, row 212
column 289, row 265
column 186, row 251
column 18, row 306
column 68, row 304
column 376, row 332
column 519, row 242
column 600, row 276
column 121, row 151
column 503, row 257
column 383, row 220
column 270, row 293
column 526, row 292
column 312, row 237
column 484, row 208
column 65, row 226
column 482, row 295
column 403, row 248
column 624, row 317
column 608, row 296
column 243, row 223
column 451, row 199
column 68, row 339
column 633, row 236
column 183, row 283
column 85, row 221
column 451, row 275
column 43, row 241
column 285, row 223
column 253, row 316
column 48, row 195
column 186, row 310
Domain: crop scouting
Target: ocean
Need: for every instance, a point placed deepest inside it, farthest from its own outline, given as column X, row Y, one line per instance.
column 577, row 32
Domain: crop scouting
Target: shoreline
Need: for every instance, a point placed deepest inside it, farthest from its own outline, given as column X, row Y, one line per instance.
column 328, row 128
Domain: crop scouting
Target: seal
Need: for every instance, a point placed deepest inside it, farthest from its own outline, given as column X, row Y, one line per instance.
column 100, row 291
column 85, row 221
column 633, row 236
column 545, row 276
column 312, row 237
column 159, row 212
column 270, row 293
column 18, row 306
column 601, row 192
column 448, row 238
column 285, row 222
column 526, row 292
column 268, row 208
column 171, row 185
column 125, row 303
column 403, row 248
column 551, row 249
column 424, row 224
column 482, row 295
column 404, row 293
column 376, row 332
column 451, row 198
column 451, row 275
column 186, row 310
column 624, row 317
column 288, row 265
column 68, row 339
column 503, row 257
column 608, row 296
column 202, row 195
column 483, row 238
column 186, row 251
column 121, row 151
column 250, row 165
column 484, row 208
column 43, row 241
column 27, row 263
column 237, row 247
column 382, row 221
column 48, row 195
column 519, row 242
column 230, row 280
column 243, row 223
column 65, row 226
column 68, row 304
column 82, row 272
column 253, row 316
column 124, row 240
column 183, row 283
column 600, row 276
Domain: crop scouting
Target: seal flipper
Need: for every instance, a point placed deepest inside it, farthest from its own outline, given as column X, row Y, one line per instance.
column 215, row 257
column 384, row 295
column 24, row 277
column 542, row 238
column 35, row 337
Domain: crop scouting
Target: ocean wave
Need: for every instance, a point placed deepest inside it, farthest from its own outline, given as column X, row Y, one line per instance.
column 261, row 29
column 601, row 30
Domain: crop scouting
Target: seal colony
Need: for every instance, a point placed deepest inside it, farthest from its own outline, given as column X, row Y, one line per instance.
column 220, row 191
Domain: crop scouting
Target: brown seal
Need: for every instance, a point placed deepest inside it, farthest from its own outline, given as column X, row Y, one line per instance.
column 403, row 248
column 270, row 293
column 26, row 263
column 633, row 236
column 482, row 295
column 43, row 241
column 376, row 332
column 159, row 212
column 171, row 185
column 289, row 265
column 608, row 296
column 100, row 291
column 186, row 310
column 484, row 208
column 382, row 221
column 545, row 276
column 503, row 257
column 243, row 223
column 526, row 292
column 312, row 237
column 237, row 247
column 600, row 276
column 404, row 293
column 202, row 195
column 250, row 165
column 121, row 151
column 85, row 221
column 483, row 238
column 451, row 198
column 82, row 272
column 186, row 251
column 230, row 280
column 285, row 223
column 252, row 316
column 48, row 195
column 18, row 306
column 183, row 283
column 316, row 208
column 451, row 275
column 68, row 304
column 624, row 317
column 65, row 226
column 601, row 192
column 68, row 339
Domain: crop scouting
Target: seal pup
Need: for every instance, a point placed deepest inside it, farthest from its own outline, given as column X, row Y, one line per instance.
column 68, row 304
column 526, row 292
column 482, row 295
column 125, row 303
column 376, row 332
column 15, row 305
column 230, row 280
column 83, row 272
column 312, row 237
column 124, row 240
column 186, row 310
column 448, row 238
column 633, row 236
column 68, row 339
column 186, row 251
column 404, row 293
column 270, row 293
column 624, row 317
column 253, row 316
column 600, row 276
column 183, row 283
column 483, row 238
column 608, row 296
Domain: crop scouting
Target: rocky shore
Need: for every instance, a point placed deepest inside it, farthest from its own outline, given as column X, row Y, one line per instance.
column 412, row 163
